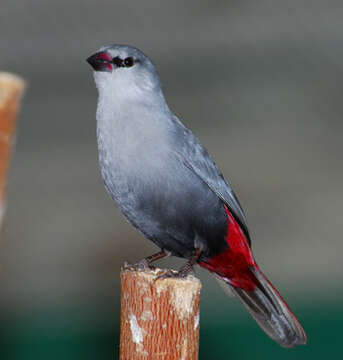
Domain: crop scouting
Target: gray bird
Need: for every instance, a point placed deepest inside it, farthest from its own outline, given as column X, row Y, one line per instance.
column 169, row 188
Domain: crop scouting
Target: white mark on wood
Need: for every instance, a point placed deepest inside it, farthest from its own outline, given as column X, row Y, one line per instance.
column 137, row 335
column 183, row 294
column 184, row 350
column 143, row 288
column 147, row 315
column 183, row 300
column 164, row 326
column 196, row 321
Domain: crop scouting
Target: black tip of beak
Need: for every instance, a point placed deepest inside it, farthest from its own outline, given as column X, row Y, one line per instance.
column 100, row 61
column 91, row 60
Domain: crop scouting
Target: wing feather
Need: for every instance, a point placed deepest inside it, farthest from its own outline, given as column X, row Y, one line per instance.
column 193, row 155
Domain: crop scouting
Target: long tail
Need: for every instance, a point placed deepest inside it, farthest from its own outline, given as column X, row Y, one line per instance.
column 236, row 266
column 270, row 311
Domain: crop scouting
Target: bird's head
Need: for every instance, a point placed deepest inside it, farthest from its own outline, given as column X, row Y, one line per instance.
column 123, row 69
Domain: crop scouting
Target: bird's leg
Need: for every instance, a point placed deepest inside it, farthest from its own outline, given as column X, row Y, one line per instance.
column 154, row 257
column 185, row 270
column 145, row 263
column 188, row 267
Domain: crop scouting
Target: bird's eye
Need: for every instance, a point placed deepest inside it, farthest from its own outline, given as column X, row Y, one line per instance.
column 129, row 61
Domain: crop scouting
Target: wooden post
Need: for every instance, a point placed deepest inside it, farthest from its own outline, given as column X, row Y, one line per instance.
column 159, row 318
column 11, row 90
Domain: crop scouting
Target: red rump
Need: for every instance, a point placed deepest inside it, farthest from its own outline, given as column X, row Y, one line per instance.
column 234, row 263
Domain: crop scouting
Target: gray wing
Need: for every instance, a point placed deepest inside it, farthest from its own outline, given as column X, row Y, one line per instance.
column 195, row 157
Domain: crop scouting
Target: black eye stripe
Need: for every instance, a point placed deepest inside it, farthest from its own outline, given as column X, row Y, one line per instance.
column 118, row 61
column 127, row 62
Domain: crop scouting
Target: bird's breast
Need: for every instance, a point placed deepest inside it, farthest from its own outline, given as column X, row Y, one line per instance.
column 131, row 157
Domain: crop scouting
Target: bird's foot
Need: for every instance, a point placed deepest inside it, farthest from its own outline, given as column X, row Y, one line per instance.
column 172, row 274
column 167, row 274
column 145, row 264
column 141, row 265
column 185, row 269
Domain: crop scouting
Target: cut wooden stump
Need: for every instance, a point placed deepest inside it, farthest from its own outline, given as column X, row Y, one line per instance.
column 159, row 318
column 11, row 90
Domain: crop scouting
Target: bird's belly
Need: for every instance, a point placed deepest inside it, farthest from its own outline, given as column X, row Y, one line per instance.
column 168, row 204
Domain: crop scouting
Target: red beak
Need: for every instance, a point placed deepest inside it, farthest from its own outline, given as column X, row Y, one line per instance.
column 101, row 61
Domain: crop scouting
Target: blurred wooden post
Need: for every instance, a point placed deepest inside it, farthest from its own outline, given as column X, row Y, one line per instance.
column 159, row 319
column 11, row 90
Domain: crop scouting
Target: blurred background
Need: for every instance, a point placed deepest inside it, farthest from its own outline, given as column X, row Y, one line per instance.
column 259, row 82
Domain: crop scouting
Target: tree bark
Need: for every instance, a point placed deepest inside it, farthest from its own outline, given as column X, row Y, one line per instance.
column 11, row 90
column 159, row 318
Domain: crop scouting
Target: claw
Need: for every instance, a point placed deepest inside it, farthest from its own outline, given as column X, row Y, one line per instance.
column 145, row 264
column 168, row 274
column 141, row 265
column 126, row 265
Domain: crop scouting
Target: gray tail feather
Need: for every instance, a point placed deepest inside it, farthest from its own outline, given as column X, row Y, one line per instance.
column 271, row 312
